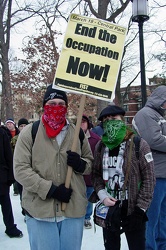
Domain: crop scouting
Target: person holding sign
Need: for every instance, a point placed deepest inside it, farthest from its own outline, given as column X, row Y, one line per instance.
column 116, row 156
column 41, row 167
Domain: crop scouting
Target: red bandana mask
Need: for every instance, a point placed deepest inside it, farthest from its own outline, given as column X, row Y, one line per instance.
column 54, row 119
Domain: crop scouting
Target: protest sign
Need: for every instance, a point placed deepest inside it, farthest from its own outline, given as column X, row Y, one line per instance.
column 89, row 63
column 90, row 57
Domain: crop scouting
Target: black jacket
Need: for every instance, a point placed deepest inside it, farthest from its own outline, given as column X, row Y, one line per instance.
column 6, row 162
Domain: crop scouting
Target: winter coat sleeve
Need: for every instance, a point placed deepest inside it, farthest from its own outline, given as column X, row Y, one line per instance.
column 97, row 172
column 142, row 177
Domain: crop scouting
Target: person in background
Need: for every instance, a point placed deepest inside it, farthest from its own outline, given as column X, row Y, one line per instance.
column 93, row 139
column 10, row 124
column 41, row 168
column 150, row 124
column 98, row 130
column 6, row 180
column 21, row 124
column 109, row 171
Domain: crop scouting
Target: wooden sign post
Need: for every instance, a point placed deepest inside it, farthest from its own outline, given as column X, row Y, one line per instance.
column 74, row 145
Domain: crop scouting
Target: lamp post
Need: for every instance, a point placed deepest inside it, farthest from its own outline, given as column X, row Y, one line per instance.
column 139, row 15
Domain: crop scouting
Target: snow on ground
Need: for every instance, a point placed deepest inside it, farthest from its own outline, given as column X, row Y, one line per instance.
column 91, row 239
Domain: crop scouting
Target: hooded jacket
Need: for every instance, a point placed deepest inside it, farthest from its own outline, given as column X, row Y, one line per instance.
column 150, row 124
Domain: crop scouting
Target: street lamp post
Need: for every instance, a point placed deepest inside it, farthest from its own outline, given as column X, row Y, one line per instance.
column 140, row 15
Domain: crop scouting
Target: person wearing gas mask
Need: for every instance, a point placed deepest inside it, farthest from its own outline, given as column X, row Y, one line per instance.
column 150, row 124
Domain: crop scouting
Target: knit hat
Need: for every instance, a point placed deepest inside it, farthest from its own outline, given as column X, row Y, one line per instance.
column 111, row 110
column 54, row 93
column 84, row 117
column 23, row 121
column 10, row 120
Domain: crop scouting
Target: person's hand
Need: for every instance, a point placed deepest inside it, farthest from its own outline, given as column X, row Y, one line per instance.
column 62, row 193
column 109, row 201
column 74, row 160
column 136, row 219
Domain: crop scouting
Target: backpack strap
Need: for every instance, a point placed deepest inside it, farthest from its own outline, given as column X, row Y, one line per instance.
column 81, row 136
column 34, row 130
column 35, row 126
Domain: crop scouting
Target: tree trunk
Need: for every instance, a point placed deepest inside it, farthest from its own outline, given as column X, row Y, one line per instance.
column 6, row 104
column 6, row 100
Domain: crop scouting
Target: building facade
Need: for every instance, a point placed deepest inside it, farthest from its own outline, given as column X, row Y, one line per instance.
column 132, row 100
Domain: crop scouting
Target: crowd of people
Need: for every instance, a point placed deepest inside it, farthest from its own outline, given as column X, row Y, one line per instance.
column 107, row 166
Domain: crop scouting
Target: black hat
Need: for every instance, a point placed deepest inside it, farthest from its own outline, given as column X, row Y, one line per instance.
column 23, row 121
column 111, row 110
column 54, row 93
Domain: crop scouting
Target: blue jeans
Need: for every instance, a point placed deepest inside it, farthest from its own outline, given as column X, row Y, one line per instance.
column 156, row 225
column 89, row 208
column 64, row 235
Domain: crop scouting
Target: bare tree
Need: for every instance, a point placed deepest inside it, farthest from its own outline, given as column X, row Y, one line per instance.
column 106, row 10
column 8, row 20
column 51, row 13
column 36, row 71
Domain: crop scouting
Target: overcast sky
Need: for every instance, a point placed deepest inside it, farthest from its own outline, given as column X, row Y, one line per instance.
column 157, row 21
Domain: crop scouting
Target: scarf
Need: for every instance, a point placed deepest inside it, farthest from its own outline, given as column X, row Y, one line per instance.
column 116, row 189
column 54, row 119
column 114, row 133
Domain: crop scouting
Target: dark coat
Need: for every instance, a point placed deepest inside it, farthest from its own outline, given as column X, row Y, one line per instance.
column 93, row 139
column 141, row 171
column 6, row 163
column 8, row 131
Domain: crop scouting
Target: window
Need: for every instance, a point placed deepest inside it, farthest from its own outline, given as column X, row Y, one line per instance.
column 125, row 106
column 127, row 120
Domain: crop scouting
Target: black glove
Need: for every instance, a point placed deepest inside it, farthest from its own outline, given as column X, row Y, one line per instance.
column 74, row 161
column 60, row 193
column 137, row 218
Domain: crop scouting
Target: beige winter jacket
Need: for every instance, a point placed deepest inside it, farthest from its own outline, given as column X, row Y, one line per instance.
column 37, row 167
